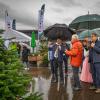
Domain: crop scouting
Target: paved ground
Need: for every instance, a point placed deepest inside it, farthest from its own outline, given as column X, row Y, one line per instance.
column 57, row 91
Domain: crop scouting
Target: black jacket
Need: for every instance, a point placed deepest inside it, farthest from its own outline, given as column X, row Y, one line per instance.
column 25, row 54
column 94, row 53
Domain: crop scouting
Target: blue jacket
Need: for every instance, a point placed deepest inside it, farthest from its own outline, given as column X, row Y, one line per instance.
column 51, row 52
column 60, row 52
column 94, row 53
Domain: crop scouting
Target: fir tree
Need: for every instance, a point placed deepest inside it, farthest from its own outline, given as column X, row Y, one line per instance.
column 13, row 81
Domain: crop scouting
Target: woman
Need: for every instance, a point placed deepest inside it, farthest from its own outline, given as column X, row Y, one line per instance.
column 85, row 74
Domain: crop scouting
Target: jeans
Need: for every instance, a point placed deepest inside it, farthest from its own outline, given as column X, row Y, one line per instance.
column 26, row 64
column 93, row 72
column 76, row 76
column 66, row 64
column 52, row 66
column 97, row 69
column 59, row 68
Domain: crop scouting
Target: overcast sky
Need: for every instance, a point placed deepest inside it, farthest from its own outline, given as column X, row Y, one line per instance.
column 56, row 11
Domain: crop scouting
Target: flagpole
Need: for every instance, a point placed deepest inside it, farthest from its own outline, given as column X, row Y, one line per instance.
column 38, row 30
column 88, row 23
column 38, row 23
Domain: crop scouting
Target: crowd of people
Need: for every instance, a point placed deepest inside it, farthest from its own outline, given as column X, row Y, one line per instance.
column 83, row 54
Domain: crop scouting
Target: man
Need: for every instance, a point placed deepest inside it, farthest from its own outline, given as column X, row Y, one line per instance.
column 51, row 59
column 76, row 59
column 58, row 60
column 94, row 59
column 65, row 57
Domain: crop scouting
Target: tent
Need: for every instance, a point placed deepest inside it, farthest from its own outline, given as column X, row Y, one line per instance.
column 15, row 36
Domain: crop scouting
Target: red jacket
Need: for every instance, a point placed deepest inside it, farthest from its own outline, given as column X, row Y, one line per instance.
column 76, row 53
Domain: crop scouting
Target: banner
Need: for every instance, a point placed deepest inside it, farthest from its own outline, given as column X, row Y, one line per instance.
column 33, row 43
column 8, row 21
column 41, row 20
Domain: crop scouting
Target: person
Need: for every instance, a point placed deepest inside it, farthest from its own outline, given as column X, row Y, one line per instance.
column 94, row 59
column 13, row 46
column 85, row 74
column 85, row 44
column 19, row 49
column 65, row 58
column 58, row 60
column 76, row 59
column 25, row 53
column 51, row 59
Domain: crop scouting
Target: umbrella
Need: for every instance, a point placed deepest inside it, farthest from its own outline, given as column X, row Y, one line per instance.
column 87, row 33
column 58, row 31
column 91, row 21
column 24, row 44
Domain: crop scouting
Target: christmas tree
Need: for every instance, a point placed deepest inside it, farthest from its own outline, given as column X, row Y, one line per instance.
column 13, row 81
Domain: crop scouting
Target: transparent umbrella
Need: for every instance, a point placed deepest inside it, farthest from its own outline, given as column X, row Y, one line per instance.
column 87, row 33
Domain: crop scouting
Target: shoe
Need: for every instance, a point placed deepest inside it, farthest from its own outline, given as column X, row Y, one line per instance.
column 26, row 68
column 61, row 82
column 92, row 88
column 66, row 73
column 76, row 88
column 97, row 91
column 54, row 81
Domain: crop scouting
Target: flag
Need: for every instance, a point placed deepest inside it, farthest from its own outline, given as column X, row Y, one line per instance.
column 41, row 20
column 8, row 21
column 42, row 9
column 33, row 43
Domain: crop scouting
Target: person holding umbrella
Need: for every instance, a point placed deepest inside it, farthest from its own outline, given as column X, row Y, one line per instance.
column 85, row 75
column 94, row 59
column 25, row 53
column 58, row 60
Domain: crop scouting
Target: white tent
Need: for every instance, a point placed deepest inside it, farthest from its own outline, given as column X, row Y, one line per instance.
column 16, row 36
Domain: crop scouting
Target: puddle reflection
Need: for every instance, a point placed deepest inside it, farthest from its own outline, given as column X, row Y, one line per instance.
column 57, row 91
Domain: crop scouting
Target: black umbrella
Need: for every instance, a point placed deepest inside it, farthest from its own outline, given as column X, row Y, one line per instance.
column 58, row 31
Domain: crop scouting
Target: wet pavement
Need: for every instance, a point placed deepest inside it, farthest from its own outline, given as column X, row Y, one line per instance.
column 57, row 91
